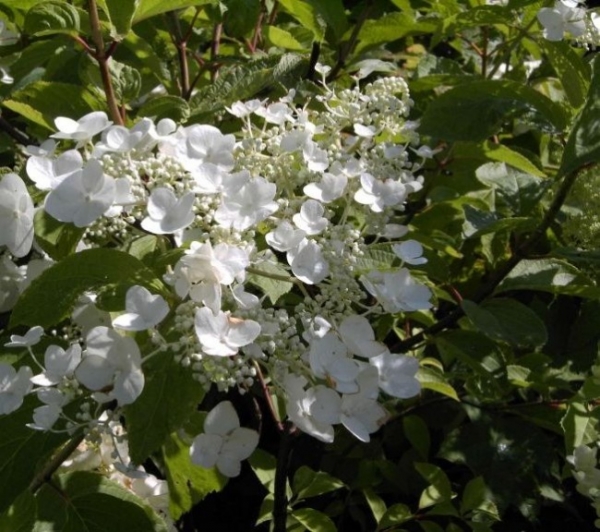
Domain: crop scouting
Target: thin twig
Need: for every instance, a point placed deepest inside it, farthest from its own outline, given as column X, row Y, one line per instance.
column 214, row 50
column 280, row 502
column 45, row 474
column 102, row 59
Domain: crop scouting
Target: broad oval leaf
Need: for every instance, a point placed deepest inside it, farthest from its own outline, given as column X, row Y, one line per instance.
column 51, row 17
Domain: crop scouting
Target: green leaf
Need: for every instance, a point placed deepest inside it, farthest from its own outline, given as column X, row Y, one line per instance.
column 150, row 8
column 306, row 13
column 439, row 489
column 433, row 379
column 334, row 15
column 121, row 14
column 417, row 434
column 583, row 144
column 549, row 275
column 520, row 190
column 51, row 297
column 241, row 16
column 51, row 17
column 264, row 464
column 395, row 515
column 390, row 28
column 580, row 424
column 313, row 520
column 270, row 278
column 507, row 320
column 20, row 516
column 56, row 238
column 484, row 106
column 169, row 398
column 20, row 450
column 282, row 39
column 42, row 101
column 308, row 483
column 376, row 503
column 571, row 69
column 476, row 498
column 89, row 502
column 474, row 349
column 503, row 154
column 165, row 106
column 188, row 483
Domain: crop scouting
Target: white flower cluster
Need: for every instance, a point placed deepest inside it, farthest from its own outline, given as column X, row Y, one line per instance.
column 587, row 473
column 295, row 200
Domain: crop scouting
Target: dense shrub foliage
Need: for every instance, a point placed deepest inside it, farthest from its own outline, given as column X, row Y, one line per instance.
column 299, row 265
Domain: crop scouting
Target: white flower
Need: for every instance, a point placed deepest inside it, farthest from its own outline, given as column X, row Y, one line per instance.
column 16, row 215
column 313, row 411
column 307, row 262
column 224, row 443
column 244, row 109
column 200, row 144
column 397, row 374
column 364, row 131
column 45, row 416
column 316, row 158
column 223, row 334
column 310, row 218
column 564, row 17
column 119, row 139
column 48, row 173
column 114, row 362
column 11, row 279
column 275, row 113
column 330, row 188
column 410, row 252
column 361, row 415
column 397, row 291
column 14, row 386
column 144, row 310
column 82, row 197
column 59, row 364
column 168, row 214
column 285, row 237
column 248, row 205
column 31, row 337
column 329, row 360
column 83, row 129
column 358, row 336
column 380, row 194
column 203, row 269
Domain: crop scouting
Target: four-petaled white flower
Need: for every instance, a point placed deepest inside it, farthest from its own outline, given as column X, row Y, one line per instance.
column 248, row 205
column 565, row 17
column 46, row 415
column 59, row 364
column 16, row 215
column 380, row 194
column 83, row 129
column 329, row 360
column 397, row 291
column 310, row 218
column 82, row 197
column 144, row 310
column 410, row 252
column 222, row 334
column 14, row 386
column 223, row 443
column 308, row 263
column 111, row 366
column 168, row 214
column 397, row 374
column 330, row 188
column 48, row 173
